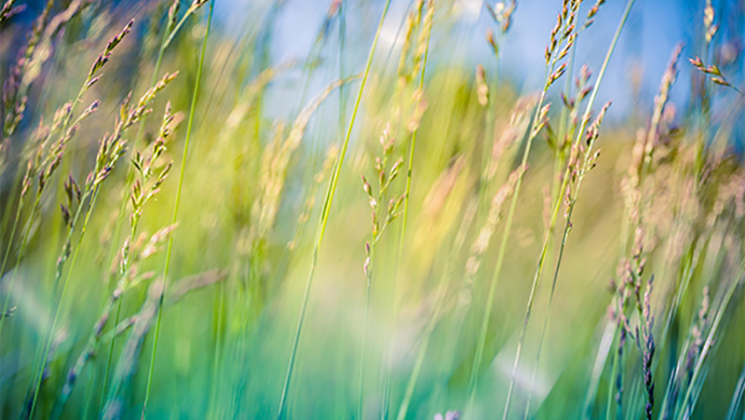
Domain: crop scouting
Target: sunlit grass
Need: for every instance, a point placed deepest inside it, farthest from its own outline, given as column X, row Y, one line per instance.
column 376, row 229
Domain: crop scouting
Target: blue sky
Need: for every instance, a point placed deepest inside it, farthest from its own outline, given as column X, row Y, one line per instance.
column 652, row 31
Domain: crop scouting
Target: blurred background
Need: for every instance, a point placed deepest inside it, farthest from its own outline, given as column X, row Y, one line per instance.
column 274, row 102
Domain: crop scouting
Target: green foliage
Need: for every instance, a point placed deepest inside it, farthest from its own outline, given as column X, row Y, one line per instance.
column 422, row 294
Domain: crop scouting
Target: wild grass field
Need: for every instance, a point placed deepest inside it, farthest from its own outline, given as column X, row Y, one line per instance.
column 196, row 226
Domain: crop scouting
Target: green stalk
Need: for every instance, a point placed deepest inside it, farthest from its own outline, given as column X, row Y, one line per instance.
column 125, row 200
column 89, row 393
column 34, row 209
column 109, row 357
column 153, row 81
column 710, row 341
column 559, row 159
column 736, row 397
column 489, row 132
column 10, row 240
column 323, row 220
column 505, row 236
column 564, row 125
column 611, row 382
column 60, row 263
column 342, row 72
column 21, row 250
column 58, row 304
column 212, row 410
column 5, row 221
column 598, row 367
column 539, row 270
column 360, row 385
column 412, row 147
column 165, row 41
column 404, row 407
column 342, row 98
column 174, row 218
column 404, row 218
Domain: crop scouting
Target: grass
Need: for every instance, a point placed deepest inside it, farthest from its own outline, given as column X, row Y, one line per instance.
column 130, row 293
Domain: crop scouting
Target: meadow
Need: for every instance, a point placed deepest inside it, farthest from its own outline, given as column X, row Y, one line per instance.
column 193, row 228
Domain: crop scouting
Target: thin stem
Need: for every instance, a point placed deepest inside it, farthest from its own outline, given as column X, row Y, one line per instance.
column 503, row 246
column 128, row 181
column 736, row 396
column 21, row 250
column 212, row 412
column 404, row 407
column 360, row 386
column 174, row 217
column 57, row 303
column 606, row 342
column 323, row 221
column 611, row 382
column 153, row 81
column 409, row 171
column 109, row 357
column 65, row 125
column 559, row 161
column 342, row 72
column 709, row 342
column 539, row 270
column 404, row 219
column 10, row 240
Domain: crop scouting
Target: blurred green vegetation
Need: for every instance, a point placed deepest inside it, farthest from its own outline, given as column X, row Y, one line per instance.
column 663, row 201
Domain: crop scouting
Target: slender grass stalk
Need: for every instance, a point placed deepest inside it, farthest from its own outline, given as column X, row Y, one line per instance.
column 123, row 206
column 58, row 147
column 363, row 346
column 385, row 180
column 89, row 393
column 419, row 362
column 5, row 223
column 410, row 168
column 500, row 260
column 565, row 182
column 551, row 62
column 153, row 81
column 342, row 72
column 565, row 131
column 323, row 220
column 110, row 150
column 64, row 132
column 611, row 382
column 404, row 219
column 170, row 29
column 707, row 347
column 57, row 304
column 21, row 251
column 174, row 217
column 606, row 343
column 734, row 405
column 643, row 169
column 492, row 87
column 10, row 240
column 212, row 412
column 110, row 355
column 141, row 194
column 342, row 119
